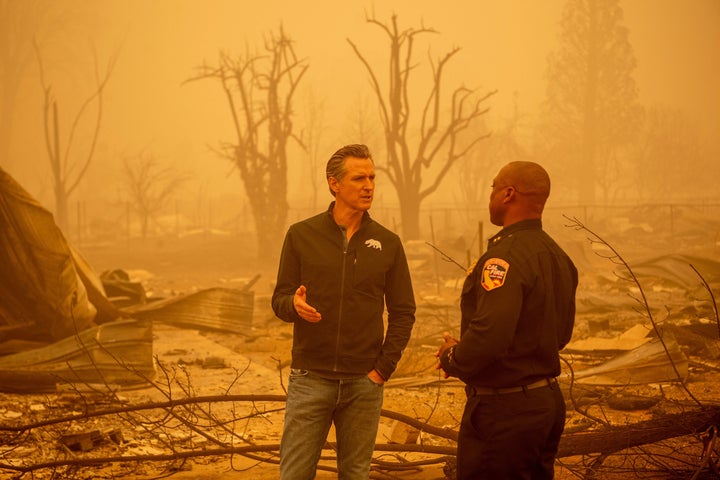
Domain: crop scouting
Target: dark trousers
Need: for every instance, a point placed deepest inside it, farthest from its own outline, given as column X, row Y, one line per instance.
column 511, row 436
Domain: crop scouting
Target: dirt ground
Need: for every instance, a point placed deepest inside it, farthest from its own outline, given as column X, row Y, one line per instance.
column 255, row 362
column 172, row 269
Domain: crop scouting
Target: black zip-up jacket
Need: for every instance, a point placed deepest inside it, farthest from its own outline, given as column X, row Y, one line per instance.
column 349, row 283
column 518, row 310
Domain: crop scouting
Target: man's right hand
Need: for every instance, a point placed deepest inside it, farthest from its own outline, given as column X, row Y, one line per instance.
column 305, row 311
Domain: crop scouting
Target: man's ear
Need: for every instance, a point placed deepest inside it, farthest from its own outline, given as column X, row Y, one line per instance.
column 333, row 183
column 509, row 194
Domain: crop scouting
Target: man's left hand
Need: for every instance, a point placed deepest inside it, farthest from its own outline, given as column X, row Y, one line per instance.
column 448, row 342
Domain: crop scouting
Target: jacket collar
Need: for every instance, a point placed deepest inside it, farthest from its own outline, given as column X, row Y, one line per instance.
column 365, row 218
column 531, row 224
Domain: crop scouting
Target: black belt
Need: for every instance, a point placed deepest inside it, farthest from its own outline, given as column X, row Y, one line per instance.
column 472, row 390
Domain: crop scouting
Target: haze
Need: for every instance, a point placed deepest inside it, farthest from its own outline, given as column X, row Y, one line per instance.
column 149, row 106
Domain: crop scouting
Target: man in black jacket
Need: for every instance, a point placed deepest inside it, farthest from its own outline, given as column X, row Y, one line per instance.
column 338, row 270
column 518, row 311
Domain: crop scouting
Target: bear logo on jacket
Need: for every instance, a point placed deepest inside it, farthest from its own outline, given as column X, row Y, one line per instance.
column 372, row 243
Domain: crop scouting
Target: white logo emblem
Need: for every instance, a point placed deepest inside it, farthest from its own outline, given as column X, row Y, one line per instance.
column 373, row 244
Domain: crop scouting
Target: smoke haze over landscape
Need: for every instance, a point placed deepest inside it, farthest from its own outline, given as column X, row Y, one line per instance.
column 151, row 108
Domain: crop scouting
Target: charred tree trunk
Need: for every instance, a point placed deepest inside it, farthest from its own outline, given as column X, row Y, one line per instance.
column 613, row 439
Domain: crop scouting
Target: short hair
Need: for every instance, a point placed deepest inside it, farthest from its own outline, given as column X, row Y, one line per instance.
column 336, row 165
column 530, row 180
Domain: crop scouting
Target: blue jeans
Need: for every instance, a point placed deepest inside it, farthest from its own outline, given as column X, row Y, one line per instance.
column 313, row 404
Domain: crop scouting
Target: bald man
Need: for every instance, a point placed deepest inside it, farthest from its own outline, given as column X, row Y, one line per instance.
column 518, row 312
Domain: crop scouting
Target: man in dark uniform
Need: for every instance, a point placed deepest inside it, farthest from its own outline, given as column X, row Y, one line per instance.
column 518, row 310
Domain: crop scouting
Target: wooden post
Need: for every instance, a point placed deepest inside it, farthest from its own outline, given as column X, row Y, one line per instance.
column 435, row 257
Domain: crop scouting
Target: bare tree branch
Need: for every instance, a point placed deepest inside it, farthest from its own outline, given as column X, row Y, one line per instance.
column 259, row 90
column 440, row 136
column 617, row 258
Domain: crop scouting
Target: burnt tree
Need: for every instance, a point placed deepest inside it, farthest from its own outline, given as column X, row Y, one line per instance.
column 444, row 132
column 69, row 161
column 260, row 88
column 150, row 186
column 591, row 112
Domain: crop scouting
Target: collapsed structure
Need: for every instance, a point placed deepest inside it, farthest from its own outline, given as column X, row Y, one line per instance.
column 57, row 324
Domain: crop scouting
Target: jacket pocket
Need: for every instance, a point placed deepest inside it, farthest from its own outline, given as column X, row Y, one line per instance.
column 368, row 274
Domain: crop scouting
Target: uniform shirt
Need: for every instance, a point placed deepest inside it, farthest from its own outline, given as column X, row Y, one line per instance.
column 518, row 310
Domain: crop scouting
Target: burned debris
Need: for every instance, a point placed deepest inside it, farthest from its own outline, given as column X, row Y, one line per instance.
column 105, row 377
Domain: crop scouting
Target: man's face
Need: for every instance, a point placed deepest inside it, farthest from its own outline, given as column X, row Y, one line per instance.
column 357, row 186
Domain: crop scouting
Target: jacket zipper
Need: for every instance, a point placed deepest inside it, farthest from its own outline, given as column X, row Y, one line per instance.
column 342, row 295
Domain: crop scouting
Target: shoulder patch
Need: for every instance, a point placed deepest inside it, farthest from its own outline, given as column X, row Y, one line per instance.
column 494, row 272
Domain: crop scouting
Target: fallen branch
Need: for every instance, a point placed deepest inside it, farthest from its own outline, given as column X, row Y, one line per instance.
column 145, row 406
column 611, row 439
column 218, row 452
column 605, row 441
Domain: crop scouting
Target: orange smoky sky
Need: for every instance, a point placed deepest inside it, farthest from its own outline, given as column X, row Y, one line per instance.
column 160, row 43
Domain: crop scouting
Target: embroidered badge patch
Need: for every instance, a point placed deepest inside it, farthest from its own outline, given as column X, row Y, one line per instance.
column 493, row 273
column 372, row 243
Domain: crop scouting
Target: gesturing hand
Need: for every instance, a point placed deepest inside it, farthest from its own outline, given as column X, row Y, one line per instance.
column 448, row 342
column 302, row 308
